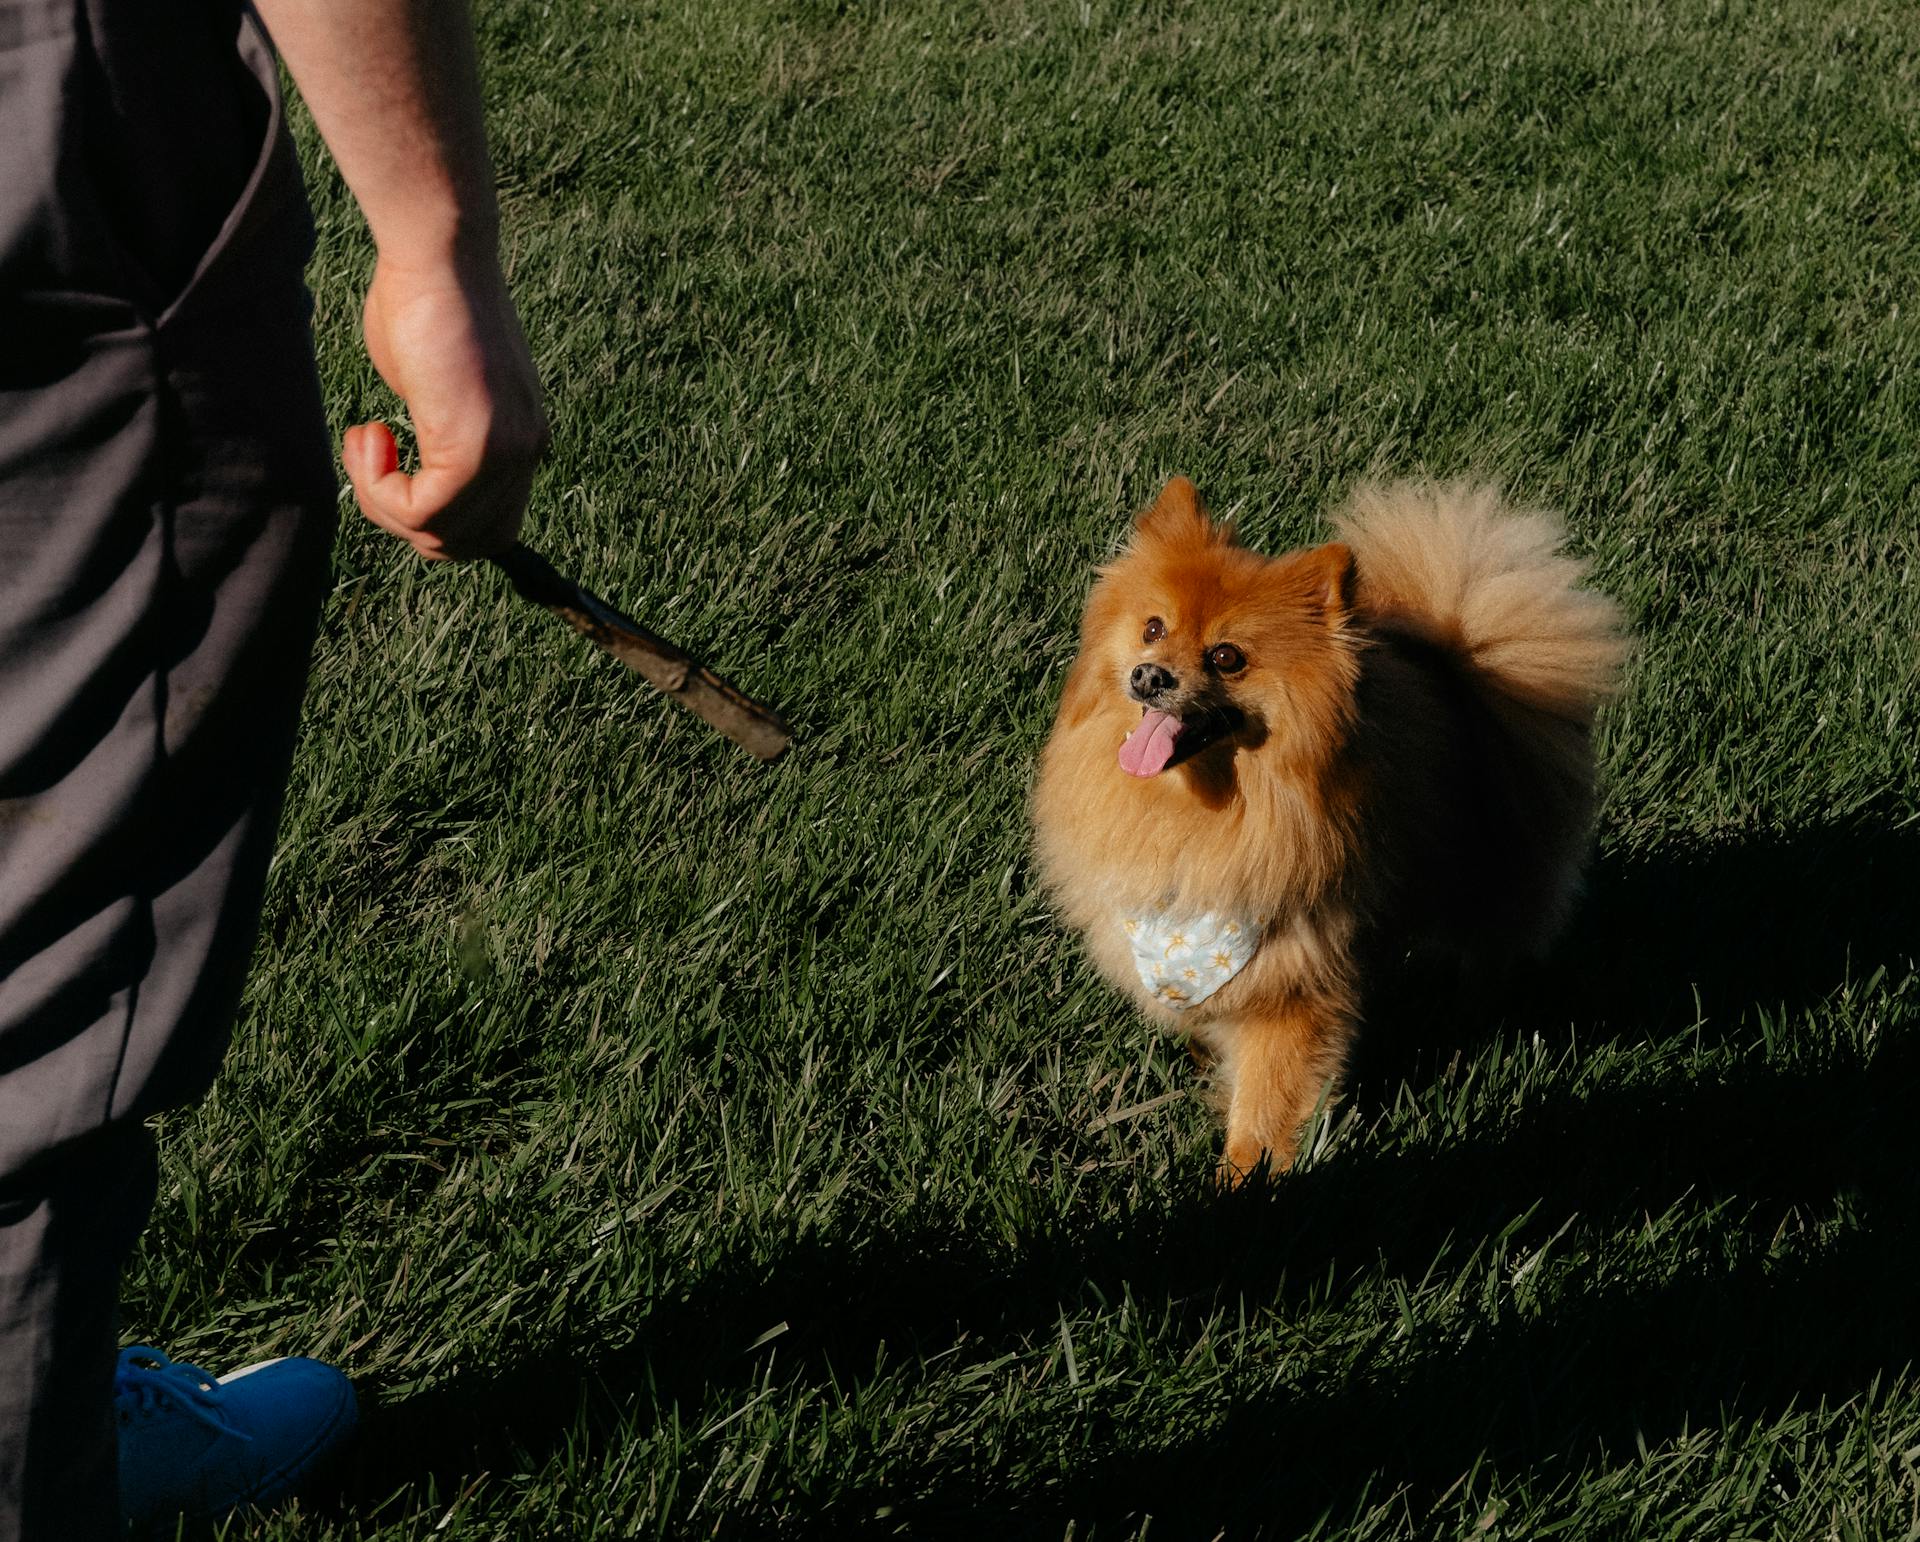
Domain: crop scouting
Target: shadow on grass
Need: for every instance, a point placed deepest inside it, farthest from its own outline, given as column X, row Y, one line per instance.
column 1751, row 1337
column 1686, row 934
column 1581, row 1388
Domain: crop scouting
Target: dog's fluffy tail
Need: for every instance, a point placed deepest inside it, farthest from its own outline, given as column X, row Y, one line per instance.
column 1458, row 570
column 1458, row 567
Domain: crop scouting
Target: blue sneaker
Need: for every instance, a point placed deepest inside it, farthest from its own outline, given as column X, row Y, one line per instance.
column 195, row 1446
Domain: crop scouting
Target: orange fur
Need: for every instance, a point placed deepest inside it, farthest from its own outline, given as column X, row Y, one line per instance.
column 1407, row 755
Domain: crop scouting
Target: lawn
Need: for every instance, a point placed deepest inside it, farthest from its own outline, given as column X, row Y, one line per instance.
column 671, row 1145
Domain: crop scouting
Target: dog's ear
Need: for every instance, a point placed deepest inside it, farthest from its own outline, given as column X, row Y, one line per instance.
column 1178, row 504
column 1178, row 517
column 1326, row 575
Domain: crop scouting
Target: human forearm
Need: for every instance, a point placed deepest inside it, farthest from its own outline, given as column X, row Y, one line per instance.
column 394, row 89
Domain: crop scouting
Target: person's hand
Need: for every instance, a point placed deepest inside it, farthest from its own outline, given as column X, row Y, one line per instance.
column 446, row 338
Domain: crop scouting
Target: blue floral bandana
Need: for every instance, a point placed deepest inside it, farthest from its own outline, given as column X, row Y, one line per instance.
column 1185, row 960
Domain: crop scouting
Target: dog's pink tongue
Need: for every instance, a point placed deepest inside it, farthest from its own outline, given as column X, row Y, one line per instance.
column 1150, row 746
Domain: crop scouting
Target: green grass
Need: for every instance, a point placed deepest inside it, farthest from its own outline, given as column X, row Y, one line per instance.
column 674, row 1146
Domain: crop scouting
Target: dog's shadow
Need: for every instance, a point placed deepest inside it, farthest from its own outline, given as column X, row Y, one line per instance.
column 1706, row 936
column 1700, row 938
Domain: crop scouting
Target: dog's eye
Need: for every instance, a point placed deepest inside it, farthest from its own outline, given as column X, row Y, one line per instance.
column 1226, row 658
column 1156, row 629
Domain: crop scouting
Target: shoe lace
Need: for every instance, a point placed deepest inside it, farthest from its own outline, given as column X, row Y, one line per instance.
column 145, row 1379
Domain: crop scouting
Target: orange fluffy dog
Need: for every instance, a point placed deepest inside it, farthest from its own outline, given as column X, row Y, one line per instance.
column 1263, row 765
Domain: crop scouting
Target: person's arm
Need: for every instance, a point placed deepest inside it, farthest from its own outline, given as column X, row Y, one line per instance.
column 394, row 88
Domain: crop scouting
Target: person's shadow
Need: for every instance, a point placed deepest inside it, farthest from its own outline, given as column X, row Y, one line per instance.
column 1737, row 941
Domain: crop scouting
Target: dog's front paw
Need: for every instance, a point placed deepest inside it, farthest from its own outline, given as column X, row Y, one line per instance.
column 1242, row 1160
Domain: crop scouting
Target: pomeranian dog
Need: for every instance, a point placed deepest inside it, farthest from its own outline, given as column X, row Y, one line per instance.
column 1267, row 770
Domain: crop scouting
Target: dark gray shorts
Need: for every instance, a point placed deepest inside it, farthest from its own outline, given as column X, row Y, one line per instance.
column 167, row 501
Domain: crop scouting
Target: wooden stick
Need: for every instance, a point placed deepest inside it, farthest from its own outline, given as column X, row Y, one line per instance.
column 756, row 728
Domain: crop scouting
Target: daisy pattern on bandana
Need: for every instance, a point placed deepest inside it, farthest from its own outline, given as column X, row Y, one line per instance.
column 1184, row 960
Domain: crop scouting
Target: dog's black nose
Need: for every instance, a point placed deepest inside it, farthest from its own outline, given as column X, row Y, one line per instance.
column 1148, row 681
